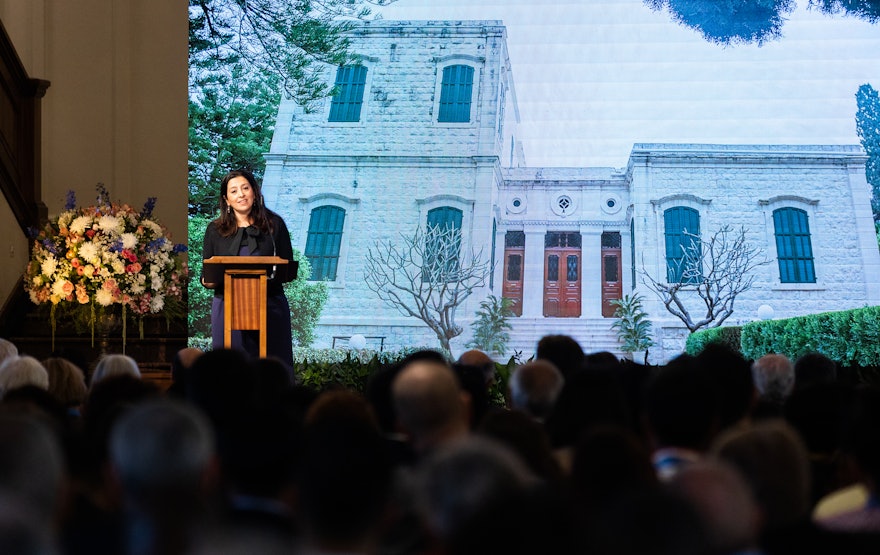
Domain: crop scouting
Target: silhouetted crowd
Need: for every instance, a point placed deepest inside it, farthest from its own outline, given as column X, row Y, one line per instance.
column 705, row 455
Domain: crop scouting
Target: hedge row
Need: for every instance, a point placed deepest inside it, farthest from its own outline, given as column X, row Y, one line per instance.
column 849, row 337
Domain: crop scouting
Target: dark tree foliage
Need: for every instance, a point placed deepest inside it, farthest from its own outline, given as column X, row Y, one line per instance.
column 243, row 56
column 868, row 127
column 730, row 22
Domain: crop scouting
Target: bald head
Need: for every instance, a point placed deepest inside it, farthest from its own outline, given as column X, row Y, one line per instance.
column 479, row 359
column 428, row 401
column 773, row 376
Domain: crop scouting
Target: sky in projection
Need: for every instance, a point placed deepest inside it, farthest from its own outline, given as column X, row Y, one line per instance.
column 593, row 77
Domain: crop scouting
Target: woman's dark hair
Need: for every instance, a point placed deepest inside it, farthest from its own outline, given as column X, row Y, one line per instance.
column 226, row 222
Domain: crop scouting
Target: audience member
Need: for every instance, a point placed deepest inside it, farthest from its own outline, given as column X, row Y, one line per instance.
column 814, row 368
column 563, row 351
column 534, row 388
column 7, row 350
column 525, row 437
column 180, row 366
column 67, row 383
column 163, row 454
column 774, row 381
column 431, row 408
column 115, row 365
column 18, row 371
column 480, row 360
column 681, row 414
column 32, row 468
column 725, row 504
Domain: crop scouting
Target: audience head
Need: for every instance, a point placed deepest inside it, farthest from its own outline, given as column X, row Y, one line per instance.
column 115, row 365
column 67, row 383
column 534, row 388
column 222, row 383
column 180, row 366
column 773, row 461
column 462, row 477
column 680, row 407
column 7, row 350
column 773, row 376
column 482, row 361
column 31, row 465
column 563, row 351
column 345, row 476
column 19, row 371
column 862, row 439
column 814, row 368
column 525, row 437
column 724, row 502
column 429, row 404
column 162, row 452
column 731, row 376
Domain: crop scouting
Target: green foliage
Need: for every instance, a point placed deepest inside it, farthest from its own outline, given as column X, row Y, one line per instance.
column 728, row 22
column 632, row 325
column 350, row 373
column 230, row 127
column 306, row 298
column 849, row 337
column 490, row 325
column 868, row 127
column 199, row 298
column 727, row 335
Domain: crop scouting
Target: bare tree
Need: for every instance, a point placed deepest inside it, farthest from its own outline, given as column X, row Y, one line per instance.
column 716, row 270
column 426, row 276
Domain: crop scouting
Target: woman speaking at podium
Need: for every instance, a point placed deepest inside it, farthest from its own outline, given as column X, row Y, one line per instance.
column 246, row 227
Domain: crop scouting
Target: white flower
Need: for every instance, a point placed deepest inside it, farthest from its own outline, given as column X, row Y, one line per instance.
column 49, row 265
column 110, row 224
column 88, row 251
column 155, row 228
column 129, row 240
column 118, row 266
column 137, row 288
column 58, row 288
column 103, row 297
column 157, row 303
column 79, row 224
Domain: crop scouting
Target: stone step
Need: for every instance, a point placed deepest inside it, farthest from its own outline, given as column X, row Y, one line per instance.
column 593, row 334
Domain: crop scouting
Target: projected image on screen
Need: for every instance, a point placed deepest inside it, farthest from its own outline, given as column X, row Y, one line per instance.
column 549, row 162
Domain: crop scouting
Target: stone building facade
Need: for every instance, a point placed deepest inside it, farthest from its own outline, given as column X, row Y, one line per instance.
column 423, row 129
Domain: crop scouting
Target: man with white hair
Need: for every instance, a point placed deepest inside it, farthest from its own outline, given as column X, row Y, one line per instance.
column 534, row 388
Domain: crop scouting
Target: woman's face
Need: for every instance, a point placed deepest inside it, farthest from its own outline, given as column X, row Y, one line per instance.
column 240, row 195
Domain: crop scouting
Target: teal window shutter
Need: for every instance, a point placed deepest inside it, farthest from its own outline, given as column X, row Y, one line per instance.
column 455, row 94
column 680, row 224
column 794, row 250
column 346, row 103
column 323, row 241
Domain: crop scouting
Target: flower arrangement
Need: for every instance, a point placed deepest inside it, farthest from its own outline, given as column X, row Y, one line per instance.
column 107, row 254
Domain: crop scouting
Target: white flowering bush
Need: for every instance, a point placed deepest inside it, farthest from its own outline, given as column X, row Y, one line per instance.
column 107, row 255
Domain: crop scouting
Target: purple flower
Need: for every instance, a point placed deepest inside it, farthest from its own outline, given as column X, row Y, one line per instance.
column 70, row 203
column 148, row 207
column 180, row 247
column 32, row 232
column 49, row 245
column 155, row 245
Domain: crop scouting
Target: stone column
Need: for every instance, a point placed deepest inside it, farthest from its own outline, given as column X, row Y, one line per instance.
column 591, row 274
column 533, row 273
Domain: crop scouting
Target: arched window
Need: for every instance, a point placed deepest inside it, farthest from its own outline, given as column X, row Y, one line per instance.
column 443, row 243
column 322, row 243
column 455, row 94
column 350, row 83
column 793, row 248
column 682, row 228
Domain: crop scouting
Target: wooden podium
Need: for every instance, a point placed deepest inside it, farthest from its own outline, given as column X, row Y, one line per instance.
column 245, row 291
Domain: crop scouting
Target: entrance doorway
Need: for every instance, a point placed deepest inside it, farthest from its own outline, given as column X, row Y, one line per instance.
column 612, row 288
column 514, row 253
column 562, row 274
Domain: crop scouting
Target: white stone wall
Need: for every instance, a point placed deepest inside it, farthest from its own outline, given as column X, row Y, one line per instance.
column 387, row 170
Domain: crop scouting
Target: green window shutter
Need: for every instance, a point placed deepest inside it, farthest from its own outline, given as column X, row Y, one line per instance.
column 346, row 103
column 323, row 241
column 680, row 222
column 794, row 250
column 455, row 94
